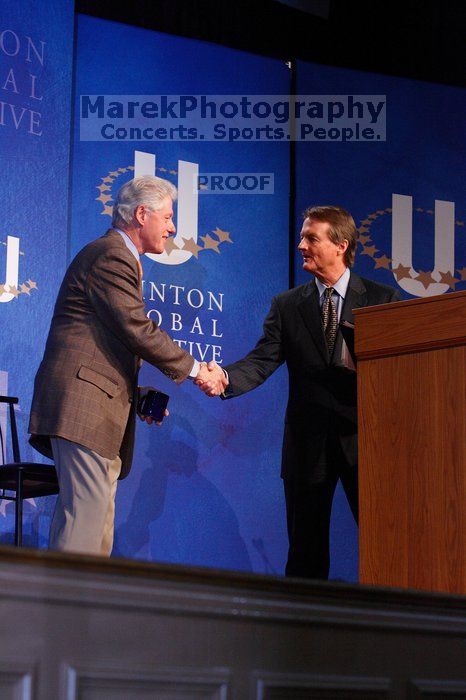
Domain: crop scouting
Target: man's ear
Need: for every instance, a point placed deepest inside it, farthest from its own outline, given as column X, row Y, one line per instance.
column 343, row 246
column 139, row 214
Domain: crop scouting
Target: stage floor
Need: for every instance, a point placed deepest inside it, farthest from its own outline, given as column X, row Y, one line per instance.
column 95, row 629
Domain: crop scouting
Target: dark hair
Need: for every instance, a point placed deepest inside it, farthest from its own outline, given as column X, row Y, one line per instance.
column 341, row 227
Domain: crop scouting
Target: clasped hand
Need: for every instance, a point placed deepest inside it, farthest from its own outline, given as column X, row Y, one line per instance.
column 211, row 379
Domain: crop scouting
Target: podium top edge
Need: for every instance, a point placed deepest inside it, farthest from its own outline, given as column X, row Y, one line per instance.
column 438, row 298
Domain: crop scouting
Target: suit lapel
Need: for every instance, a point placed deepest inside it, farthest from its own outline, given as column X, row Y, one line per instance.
column 355, row 298
column 309, row 309
column 111, row 233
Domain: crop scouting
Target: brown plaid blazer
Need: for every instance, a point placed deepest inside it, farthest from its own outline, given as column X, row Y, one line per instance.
column 86, row 386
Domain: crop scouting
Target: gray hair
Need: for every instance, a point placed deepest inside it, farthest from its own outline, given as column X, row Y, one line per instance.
column 147, row 190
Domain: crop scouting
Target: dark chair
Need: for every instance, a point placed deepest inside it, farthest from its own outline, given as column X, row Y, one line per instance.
column 23, row 479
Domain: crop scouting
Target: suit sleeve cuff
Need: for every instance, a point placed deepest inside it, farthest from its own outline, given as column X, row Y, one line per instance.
column 194, row 370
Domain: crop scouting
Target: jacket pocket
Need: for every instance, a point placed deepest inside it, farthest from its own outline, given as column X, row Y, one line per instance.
column 98, row 380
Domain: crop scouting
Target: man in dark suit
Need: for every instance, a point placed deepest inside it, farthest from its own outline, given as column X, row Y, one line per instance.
column 302, row 329
column 85, row 393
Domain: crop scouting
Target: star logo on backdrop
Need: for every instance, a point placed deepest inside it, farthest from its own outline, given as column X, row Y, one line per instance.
column 447, row 278
column 170, row 245
column 211, row 243
column 382, row 261
column 370, row 250
column 191, row 246
column 105, row 189
column 425, row 278
column 22, row 289
column 401, row 271
column 223, row 236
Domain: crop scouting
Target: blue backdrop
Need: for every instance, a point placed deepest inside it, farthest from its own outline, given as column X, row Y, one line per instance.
column 35, row 75
column 423, row 159
column 205, row 487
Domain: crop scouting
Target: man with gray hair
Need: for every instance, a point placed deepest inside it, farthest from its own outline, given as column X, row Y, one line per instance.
column 85, row 393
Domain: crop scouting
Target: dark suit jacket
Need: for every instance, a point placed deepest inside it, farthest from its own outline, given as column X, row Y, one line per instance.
column 85, row 388
column 322, row 395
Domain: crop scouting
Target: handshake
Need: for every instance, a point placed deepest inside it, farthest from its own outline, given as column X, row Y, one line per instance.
column 211, row 379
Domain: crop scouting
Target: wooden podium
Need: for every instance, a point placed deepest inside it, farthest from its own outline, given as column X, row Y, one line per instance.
column 412, row 443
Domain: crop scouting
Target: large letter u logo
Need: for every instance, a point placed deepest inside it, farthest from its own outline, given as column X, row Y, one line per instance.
column 402, row 245
column 12, row 265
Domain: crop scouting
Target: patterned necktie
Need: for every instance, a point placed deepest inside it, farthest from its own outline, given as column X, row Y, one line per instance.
column 329, row 319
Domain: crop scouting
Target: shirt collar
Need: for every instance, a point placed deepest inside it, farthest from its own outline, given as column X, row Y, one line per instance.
column 340, row 286
column 128, row 242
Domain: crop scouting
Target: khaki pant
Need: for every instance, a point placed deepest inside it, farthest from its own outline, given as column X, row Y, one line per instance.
column 83, row 520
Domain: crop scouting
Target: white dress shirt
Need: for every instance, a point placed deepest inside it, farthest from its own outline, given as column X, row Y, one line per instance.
column 340, row 287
